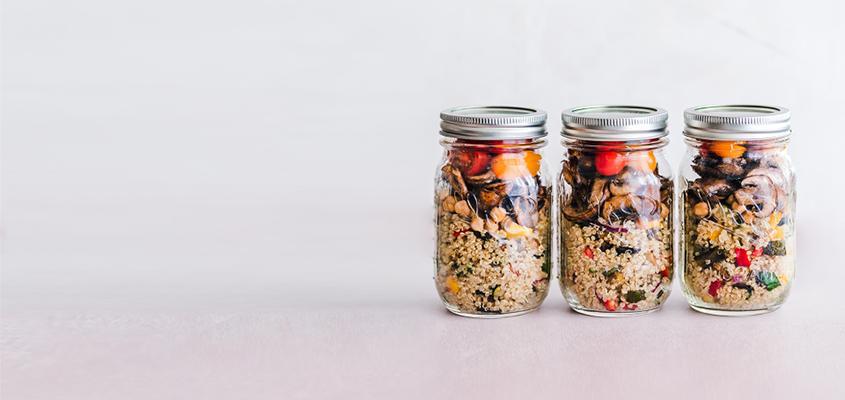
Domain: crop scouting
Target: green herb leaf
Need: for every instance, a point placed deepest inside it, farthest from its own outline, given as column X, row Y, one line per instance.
column 767, row 279
column 775, row 248
column 633, row 296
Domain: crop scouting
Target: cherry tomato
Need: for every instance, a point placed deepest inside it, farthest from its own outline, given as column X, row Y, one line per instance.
column 588, row 252
column 609, row 162
column 726, row 149
column 610, row 304
column 498, row 146
column 510, row 166
column 471, row 162
column 644, row 161
column 532, row 161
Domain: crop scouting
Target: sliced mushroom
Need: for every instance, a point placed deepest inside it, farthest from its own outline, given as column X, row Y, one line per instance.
column 732, row 167
column 482, row 179
column 618, row 209
column 524, row 209
column 758, row 194
column 622, row 184
column 491, row 195
column 713, row 189
column 773, row 174
column 453, row 175
column 591, row 203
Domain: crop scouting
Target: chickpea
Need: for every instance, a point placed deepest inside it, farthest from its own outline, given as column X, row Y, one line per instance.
column 701, row 209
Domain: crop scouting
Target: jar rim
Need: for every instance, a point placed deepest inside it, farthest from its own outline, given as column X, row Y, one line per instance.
column 614, row 122
column 737, row 122
column 493, row 123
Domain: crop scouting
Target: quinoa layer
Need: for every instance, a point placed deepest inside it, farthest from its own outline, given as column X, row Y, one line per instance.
column 479, row 272
column 736, row 266
column 611, row 271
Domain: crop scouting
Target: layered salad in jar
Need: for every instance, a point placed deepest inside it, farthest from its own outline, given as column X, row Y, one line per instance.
column 493, row 229
column 738, row 226
column 616, row 224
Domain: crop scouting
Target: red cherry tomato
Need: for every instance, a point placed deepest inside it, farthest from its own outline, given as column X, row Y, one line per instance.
column 609, row 162
column 471, row 162
column 610, row 304
column 478, row 163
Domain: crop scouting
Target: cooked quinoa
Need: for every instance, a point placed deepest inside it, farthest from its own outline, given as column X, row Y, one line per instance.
column 483, row 272
column 617, row 271
column 714, row 278
column 616, row 230
column 738, row 239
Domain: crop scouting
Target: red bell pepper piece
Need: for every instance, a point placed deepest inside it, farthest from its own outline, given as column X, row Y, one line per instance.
column 588, row 252
column 714, row 288
column 610, row 304
column 742, row 259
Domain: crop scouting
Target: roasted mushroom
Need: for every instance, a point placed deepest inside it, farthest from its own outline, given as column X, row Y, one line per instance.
column 712, row 189
column 588, row 206
column 525, row 209
column 491, row 195
column 618, row 209
column 758, row 195
column 482, row 179
column 455, row 180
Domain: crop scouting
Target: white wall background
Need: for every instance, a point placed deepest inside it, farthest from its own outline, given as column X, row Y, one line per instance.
column 183, row 155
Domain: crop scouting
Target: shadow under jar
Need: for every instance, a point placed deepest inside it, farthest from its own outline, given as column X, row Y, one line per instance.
column 493, row 212
column 616, row 210
column 737, row 209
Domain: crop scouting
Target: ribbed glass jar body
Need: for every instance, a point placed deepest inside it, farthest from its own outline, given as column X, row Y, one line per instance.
column 737, row 211
column 493, row 204
column 616, row 220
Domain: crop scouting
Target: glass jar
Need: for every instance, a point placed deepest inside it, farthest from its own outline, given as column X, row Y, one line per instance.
column 493, row 203
column 616, row 210
column 738, row 209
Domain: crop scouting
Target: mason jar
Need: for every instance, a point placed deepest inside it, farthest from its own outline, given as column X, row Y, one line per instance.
column 616, row 210
column 493, row 212
column 738, row 209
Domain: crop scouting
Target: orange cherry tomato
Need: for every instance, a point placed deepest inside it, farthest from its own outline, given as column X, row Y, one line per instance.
column 609, row 162
column 509, row 166
column 727, row 149
column 532, row 162
column 644, row 161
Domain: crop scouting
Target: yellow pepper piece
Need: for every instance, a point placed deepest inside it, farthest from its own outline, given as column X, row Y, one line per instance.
column 655, row 223
column 452, row 284
column 775, row 218
column 777, row 234
column 727, row 149
column 783, row 279
column 515, row 230
column 715, row 235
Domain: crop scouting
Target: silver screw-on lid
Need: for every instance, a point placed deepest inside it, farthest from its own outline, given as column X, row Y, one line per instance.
column 493, row 123
column 614, row 123
column 737, row 122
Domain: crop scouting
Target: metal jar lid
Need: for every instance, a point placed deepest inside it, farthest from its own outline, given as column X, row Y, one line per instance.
column 493, row 123
column 737, row 122
column 614, row 123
